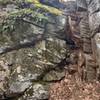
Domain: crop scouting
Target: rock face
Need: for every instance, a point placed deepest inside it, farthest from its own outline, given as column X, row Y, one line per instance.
column 19, row 87
column 94, row 21
column 85, row 32
column 94, row 15
column 97, row 52
column 29, row 61
column 71, row 5
column 93, row 6
column 84, row 25
column 37, row 92
column 81, row 4
column 89, row 26
column 31, row 56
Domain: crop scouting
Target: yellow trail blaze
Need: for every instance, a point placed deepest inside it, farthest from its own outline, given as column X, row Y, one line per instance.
column 50, row 9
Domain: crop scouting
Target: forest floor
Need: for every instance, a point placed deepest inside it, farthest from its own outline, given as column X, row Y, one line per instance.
column 70, row 88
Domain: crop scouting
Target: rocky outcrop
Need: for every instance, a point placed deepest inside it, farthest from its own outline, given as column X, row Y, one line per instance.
column 94, row 10
column 89, row 30
column 31, row 57
column 85, row 34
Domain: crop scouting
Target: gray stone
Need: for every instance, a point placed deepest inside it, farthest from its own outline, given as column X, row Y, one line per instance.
column 81, row 4
column 84, row 26
column 54, row 76
column 94, row 21
column 39, row 92
column 88, row 2
column 4, row 75
column 73, row 58
column 27, row 63
column 30, row 63
column 36, row 92
column 97, row 51
column 94, row 6
column 87, row 47
column 56, row 23
column 71, row 6
column 19, row 87
column 11, row 7
column 90, row 68
column 27, row 77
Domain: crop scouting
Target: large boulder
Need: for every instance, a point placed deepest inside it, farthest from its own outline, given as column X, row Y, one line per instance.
column 31, row 61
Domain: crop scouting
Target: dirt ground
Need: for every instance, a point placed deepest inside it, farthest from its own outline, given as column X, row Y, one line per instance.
column 70, row 88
